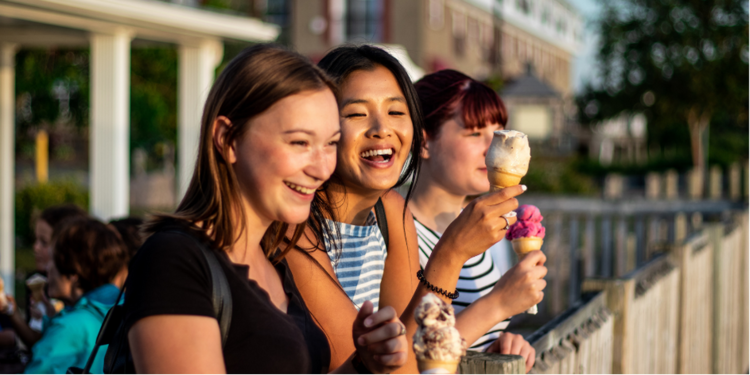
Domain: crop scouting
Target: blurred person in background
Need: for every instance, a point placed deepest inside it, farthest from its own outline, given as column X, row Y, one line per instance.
column 51, row 220
column 130, row 232
column 86, row 256
column 460, row 117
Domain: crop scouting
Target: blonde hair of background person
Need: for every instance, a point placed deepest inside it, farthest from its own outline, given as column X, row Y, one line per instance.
column 379, row 108
column 268, row 139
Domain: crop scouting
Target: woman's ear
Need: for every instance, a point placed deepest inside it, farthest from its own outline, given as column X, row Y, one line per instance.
column 425, row 151
column 220, row 132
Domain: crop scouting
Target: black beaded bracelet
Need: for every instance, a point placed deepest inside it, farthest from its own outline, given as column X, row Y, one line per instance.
column 420, row 276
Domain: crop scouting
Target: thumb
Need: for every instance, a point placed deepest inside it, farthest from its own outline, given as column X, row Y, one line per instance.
column 362, row 315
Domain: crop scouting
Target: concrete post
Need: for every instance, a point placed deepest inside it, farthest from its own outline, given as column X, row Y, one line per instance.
column 197, row 64
column 7, row 159
column 110, row 124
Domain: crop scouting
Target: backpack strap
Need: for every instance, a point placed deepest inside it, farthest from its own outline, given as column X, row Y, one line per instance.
column 221, row 295
column 382, row 222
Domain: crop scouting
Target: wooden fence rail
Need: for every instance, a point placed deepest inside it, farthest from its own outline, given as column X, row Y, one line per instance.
column 684, row 311
column 645, row 308
column 578, row 341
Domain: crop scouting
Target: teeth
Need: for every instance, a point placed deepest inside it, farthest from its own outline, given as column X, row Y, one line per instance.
column 300, row 189
column 367, row 154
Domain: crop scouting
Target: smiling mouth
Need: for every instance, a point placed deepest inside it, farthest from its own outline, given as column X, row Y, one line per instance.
column 300, row 189
column 378, row 156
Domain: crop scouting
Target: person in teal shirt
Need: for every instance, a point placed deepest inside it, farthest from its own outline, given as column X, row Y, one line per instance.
column 87, row 257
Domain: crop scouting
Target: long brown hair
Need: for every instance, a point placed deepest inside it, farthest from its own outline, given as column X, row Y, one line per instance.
column 251, row 83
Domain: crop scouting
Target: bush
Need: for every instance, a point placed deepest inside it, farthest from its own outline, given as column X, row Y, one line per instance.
column 33, row 199
column 558, row 176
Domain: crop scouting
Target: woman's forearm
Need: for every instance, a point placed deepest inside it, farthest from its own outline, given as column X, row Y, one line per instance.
column 478, row 318
column 27, row 335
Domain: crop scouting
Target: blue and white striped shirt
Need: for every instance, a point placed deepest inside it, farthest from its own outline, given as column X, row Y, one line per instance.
column 359, row 268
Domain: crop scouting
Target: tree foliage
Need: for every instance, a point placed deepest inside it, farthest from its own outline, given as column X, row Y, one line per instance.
column 680, row 62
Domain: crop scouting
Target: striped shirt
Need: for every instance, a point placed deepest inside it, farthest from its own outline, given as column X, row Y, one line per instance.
column 359, row 267
column 478, row 275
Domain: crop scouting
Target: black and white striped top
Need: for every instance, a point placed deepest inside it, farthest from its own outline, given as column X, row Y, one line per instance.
column 476, row 279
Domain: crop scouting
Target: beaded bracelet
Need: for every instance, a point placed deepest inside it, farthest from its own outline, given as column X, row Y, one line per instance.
column 420, row 276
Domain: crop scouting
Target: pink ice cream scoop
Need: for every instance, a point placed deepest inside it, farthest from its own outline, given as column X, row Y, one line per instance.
column 529, row 223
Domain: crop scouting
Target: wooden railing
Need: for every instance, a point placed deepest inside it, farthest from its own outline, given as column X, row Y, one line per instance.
column 579, row 341
column 684, row 311
column 645, row 306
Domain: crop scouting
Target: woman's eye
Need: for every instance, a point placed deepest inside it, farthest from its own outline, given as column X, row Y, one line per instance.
column 475, row 134
column 333, row 143
column 396, row 113
column 299, row 143
column 354, row 115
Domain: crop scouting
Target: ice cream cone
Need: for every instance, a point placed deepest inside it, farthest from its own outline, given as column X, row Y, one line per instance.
column 36, row 285
column 3, row 298
column 525, row 245
column 432, row 366
column 501, row 180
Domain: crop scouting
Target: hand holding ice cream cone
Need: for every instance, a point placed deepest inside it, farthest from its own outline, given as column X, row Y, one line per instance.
column 36, row 285
column 527, row 234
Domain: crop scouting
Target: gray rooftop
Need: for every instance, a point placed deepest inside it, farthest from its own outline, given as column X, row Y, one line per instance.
column 528, row 85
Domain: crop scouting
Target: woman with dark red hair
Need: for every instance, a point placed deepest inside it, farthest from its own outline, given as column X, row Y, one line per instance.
column 460, row 116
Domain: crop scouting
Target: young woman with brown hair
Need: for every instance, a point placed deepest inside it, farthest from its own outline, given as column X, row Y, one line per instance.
column 268, row 141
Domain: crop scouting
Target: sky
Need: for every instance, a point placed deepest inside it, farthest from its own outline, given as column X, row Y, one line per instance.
column 584, row 65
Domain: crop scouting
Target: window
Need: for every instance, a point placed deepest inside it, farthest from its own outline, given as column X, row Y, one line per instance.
column 523, row 6
column 364, row 20
column 545, row 16
column 277, row 12
column 437, row 14
column 459, row 34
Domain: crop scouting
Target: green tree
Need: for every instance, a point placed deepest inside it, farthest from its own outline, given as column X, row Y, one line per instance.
column 678, row 62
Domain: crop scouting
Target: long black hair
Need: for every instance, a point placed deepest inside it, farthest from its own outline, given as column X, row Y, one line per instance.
column 339, row 64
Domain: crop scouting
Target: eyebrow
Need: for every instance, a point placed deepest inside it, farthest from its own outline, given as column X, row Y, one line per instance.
column 399, row 99
column 299, row 131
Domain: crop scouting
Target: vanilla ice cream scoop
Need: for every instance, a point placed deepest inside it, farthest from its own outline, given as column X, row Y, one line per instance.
column 507, row 159
column 437, row 343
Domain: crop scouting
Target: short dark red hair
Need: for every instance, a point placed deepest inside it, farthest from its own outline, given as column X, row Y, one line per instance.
column 447, row 93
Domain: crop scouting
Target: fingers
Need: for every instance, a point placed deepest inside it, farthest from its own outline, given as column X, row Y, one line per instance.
column 503, row 195
column 517, row 344
column 392, row 360
column 381, row 334
column 383, row 315
column 506, row 342
column 529, row 354
column 534, row 258
column 364, row 312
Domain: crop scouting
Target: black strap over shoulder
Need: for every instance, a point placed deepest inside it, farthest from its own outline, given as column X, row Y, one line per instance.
column 113, row 332
column 221, row 295
column 382, row 222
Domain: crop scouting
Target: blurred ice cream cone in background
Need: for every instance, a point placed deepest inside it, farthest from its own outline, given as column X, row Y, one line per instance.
column 36, row 285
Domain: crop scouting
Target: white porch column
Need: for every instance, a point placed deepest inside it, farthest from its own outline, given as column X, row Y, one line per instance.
column 197, row 64
column 110, row 123
column 7, row 158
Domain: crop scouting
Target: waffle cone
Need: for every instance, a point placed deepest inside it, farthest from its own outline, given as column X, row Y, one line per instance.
column 500, row 179
column 524, row 245
column 433, row 366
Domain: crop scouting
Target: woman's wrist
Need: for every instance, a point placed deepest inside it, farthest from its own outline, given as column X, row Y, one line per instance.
column 494, row 308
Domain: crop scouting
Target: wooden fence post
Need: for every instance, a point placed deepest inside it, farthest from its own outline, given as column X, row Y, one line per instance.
column 735, row 182
column 715, row 186
column 670, row 184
